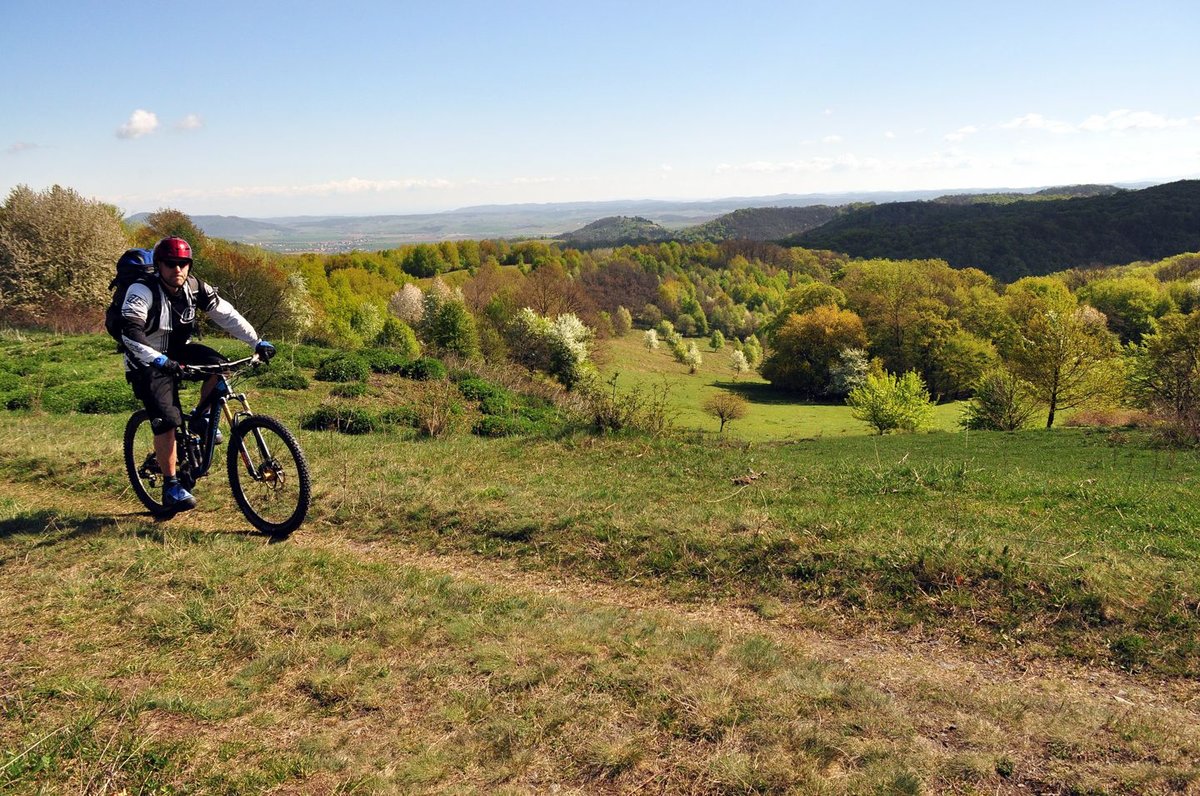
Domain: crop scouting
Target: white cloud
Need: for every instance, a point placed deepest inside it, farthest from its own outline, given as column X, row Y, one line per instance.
column 1035, row 121
column 831, row 139
column 19, row 147
column 532, row 180
column 889, row 135
column 190, row 122
column 352, row 185
column 140, row 123
column 961, row 133
column 827, row 112
column 1124, row 119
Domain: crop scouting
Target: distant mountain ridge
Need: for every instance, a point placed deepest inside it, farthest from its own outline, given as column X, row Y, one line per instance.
column 342, row 233
column 1022, row 238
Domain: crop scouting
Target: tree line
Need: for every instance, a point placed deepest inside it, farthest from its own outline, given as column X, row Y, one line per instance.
column 818, row 322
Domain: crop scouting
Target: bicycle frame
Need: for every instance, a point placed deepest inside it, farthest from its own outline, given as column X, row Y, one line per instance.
column 196, row 453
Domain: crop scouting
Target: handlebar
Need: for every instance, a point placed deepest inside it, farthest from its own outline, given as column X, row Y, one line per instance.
column 224, row 368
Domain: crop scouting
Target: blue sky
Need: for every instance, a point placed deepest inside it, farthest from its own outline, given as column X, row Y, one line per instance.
column 273, row 108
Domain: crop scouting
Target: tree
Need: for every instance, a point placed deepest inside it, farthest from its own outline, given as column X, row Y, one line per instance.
column 717, row 340
column 802, row 299
column 1002, row 402
column 692, row 357
column 650, row 340
column 622, row 322
column 850, row 371
column 55, row 243
column 559, row 347
column 274, row 301
column 447, row 324
column 890, row 402
column 726, row 407
column 1065, row 354
column 808, row 345
column 166, row 222
column 737, row 361
column 1131, row 304
column 1165, row 372
column 408, row 304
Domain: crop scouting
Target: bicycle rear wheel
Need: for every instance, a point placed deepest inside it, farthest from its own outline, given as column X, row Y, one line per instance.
column 268, row 475
column 141, row 465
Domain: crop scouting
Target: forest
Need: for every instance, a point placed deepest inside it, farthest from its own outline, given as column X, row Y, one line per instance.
column 815, row 322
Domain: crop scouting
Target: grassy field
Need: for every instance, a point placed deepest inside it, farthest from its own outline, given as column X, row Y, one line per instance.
column 940, row 612
column 773, row 415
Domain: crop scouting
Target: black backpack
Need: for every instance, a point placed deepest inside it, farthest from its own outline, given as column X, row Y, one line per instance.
column 134, row 265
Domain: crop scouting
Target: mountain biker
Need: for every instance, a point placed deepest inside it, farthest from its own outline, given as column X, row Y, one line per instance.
column 158, row 318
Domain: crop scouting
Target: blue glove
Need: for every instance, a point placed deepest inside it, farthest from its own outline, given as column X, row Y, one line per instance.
column 264, row 350
column 168, row 365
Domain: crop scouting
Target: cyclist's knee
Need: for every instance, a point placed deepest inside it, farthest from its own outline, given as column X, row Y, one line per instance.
column 166, row 420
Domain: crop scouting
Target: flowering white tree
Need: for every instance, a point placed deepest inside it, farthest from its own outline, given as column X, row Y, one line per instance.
column 408, row 304
column 692, row 358
column 738, row 362
column 650, row 340
column 559, row 347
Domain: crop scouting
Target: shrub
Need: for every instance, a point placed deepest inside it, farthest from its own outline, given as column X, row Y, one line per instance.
column 436, row 416
column 406, row 416
column 384, row 360
column 399, row 337
column 342, row 367
column 622, row 322
column 606, row 411
column 344, row 419
column 353, row 389
column 284, row 380
column 424, row 369
column 301, row 356
column 22, row 399
column 476, row 389
column 107, row 399
column 498, row 426
column 559, row 347
column 726, row 407
column 1002, row 402
column 890, row 402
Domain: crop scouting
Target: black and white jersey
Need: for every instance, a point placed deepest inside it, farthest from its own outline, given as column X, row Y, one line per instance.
column 153, row 322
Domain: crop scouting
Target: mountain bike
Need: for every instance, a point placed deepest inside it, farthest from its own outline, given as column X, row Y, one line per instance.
column 267, row 470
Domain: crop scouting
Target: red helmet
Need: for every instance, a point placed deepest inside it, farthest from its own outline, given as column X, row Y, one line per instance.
column 169, row 249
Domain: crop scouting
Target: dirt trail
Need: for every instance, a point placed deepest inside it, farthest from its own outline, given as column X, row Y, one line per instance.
column 897, row 663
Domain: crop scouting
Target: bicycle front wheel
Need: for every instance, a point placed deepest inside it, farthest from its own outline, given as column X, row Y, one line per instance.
column 141, row 464
column 268, row 475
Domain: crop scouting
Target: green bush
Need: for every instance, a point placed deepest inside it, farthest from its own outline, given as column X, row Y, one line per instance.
column 107, row 399
column 404, row 416
column 342, row 367
column 498, row 404
column 344, row 419
column 284, row 380
column 22, row 399
column 302, row 356
column 424, row 369
column 399, row 337
column 9, row 381
column 497, row 426
column 474, row 388
column 353, row 389
column 384, row 360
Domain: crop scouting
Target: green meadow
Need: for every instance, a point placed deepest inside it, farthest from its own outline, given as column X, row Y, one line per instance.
column 796, row 606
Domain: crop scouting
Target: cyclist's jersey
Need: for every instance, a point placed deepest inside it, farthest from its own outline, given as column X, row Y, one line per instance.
column 154, row 322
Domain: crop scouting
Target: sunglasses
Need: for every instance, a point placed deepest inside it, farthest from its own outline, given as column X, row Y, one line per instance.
column 178, row 265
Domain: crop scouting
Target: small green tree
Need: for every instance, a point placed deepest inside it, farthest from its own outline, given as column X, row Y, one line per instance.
column 1002, row 402
column 717, row 341
column 726, row 407
column 622, row 322
column 890, row 402
column 1164, row 375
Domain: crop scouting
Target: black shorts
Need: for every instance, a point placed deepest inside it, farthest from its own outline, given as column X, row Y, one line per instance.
column 159, row 392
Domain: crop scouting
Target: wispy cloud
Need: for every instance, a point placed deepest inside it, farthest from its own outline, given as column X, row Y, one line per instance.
column 961, row 133
column 141, row 122
column 190, row 122
column 532, row 180
column 1117, row 121
column 1036, row 121
column 889, row 135
column 1124, row 119
column 19, row 147
column 831, row 139
column 352, row 185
